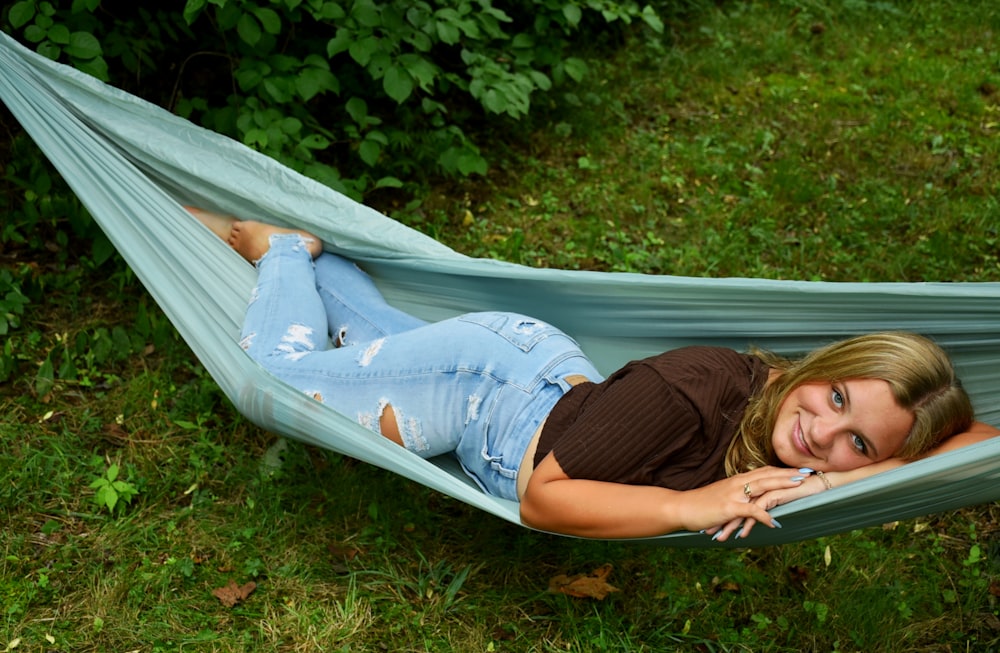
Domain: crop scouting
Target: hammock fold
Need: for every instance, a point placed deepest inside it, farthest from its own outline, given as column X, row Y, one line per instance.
column 134, row 166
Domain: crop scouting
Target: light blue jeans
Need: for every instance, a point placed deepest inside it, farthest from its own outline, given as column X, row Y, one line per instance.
column 478, row 385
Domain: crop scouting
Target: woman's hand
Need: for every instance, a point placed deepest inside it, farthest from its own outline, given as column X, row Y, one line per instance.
column 811, row 485
column 740, row 513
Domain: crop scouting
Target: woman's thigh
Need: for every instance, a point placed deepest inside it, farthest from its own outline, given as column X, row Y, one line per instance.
column 468, row 379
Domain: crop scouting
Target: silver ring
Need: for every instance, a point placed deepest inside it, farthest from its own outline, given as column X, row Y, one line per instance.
column 746, row 491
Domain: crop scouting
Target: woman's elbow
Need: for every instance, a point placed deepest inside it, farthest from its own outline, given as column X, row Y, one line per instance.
column 531, row 515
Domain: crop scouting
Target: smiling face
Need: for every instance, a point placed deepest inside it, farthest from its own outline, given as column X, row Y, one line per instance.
column 840, row 426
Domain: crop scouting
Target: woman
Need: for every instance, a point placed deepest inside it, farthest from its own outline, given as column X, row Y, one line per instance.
column 700, row 438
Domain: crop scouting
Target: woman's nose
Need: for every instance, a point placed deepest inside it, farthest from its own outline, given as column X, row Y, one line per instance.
column 825, row 431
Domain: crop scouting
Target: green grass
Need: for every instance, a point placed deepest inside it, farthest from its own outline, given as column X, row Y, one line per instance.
column 849, row 141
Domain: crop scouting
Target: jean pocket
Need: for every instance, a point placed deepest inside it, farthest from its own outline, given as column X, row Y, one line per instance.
column 519, row 330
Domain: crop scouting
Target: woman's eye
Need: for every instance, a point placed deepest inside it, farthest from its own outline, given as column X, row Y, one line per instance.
column 859, row 444
column 838, row 399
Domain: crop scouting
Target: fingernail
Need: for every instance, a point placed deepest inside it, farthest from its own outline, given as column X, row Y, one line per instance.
column 739, row 533
column 716, row 536
column 798, row 478
column 805, row 470
column 774, row 522
column 702, row 531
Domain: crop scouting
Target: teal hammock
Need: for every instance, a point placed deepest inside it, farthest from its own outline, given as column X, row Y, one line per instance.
column 134, row 166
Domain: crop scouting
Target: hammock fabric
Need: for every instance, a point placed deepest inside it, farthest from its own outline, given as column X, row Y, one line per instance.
column 134, row 166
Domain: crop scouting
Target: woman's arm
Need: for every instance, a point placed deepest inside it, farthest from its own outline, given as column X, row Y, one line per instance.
column 978, row 432
column 555, row 502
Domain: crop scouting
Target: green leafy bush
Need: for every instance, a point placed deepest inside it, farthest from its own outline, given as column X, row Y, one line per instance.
column 358, row 94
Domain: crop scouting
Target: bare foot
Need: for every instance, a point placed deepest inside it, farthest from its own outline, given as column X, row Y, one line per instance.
column 221, row 225
column 252, row 239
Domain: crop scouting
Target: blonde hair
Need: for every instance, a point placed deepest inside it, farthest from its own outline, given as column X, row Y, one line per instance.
column 918, row 371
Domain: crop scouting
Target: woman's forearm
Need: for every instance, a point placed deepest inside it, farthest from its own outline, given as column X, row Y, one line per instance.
column 600, row 509
column 587, row 508
column 978, row 432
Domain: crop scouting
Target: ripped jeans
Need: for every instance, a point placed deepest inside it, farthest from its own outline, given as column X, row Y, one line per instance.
column 478, row 385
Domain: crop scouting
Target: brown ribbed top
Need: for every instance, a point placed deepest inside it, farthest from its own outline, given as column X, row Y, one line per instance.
column 665, row 420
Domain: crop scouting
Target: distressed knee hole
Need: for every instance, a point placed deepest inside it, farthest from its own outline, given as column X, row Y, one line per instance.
column 389, row 427
column 340, row 340
column 392, row 424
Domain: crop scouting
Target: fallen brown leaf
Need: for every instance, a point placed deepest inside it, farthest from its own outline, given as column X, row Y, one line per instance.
column 585, row 586
column 719, row 586
column 232, row 593
column 343, row 552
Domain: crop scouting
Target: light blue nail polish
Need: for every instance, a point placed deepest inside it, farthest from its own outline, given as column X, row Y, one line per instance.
column 775, row 523
column 805, row 470
column 739, row 533
column 716, row 536
column 798, row 478
column 702, row 531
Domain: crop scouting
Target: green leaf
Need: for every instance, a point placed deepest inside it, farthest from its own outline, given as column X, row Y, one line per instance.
column 249, row 29
column 112, row 473
column 653, row 20
column 110, row 497
column 269, row 19
column 523, row 41
column 540, row 79
column 315, row 142
column 362, row 49
column 448, row 33
column 291, row 125
column 398, row 83
column 366, row 13
column 377, row 137
column 21, row 13
column 369, row 151
column 573, row 14
column 59, row 33
column 249, row 78
column 278, row 89
column 470, row 162
column 420, row 69
column 388, row 182
column 45, row 378
column 357, row 108
column 83, row 45
column 192, row 9
column 313, row 81
column 331, row 11
column 494, row 101
column 340, row 42
column 96, row 67
column 101, row 248
column 575, row 68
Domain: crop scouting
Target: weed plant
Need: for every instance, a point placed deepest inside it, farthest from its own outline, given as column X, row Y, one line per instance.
column 811, row 140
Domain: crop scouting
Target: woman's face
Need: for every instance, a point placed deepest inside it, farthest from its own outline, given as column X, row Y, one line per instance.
column 839, row 426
